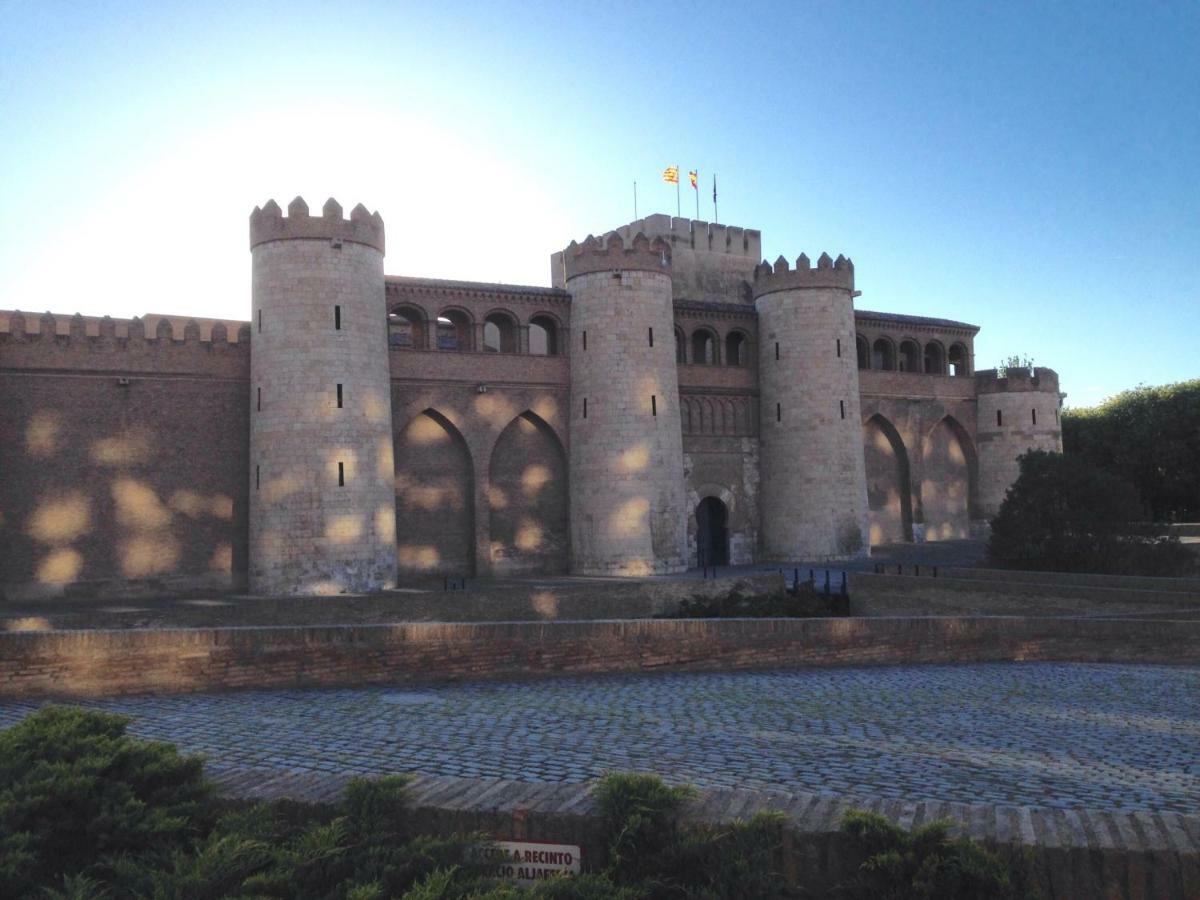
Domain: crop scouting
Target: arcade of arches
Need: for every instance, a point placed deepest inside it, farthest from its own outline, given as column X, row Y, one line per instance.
column 924, row 477
column 526, row 507
column 917, row 475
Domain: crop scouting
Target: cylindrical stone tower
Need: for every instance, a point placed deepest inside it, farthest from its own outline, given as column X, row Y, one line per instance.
column 626, row 459
column 322, row 494
column 1016, row 413
column 814, row 497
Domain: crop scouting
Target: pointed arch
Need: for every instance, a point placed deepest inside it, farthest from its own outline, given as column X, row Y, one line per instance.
column 435, row 494
column 949, row 480
column 527, row 499
column 889, row 485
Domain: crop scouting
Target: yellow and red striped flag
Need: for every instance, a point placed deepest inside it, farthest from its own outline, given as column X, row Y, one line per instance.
column 671, row 174
column 695, row 177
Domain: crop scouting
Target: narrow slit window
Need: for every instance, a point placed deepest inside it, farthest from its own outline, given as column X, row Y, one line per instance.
column 842, row 407
column 260, row 321
column 585, row 340
column 999, row 418
column 257, row 477
column 1033, row 412
column 339, row 396
column 651, row 337
column 337, row 317
column 259, row 402
column 839, row 351
column 585, row 407
column 778, row 412
column 1056, row 417
column 341, row 474
column 777, row 349
column 653, row 405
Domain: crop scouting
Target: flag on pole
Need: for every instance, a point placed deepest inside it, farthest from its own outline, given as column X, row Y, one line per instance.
column 714, row 189
column 695, row 178
column 671, row 174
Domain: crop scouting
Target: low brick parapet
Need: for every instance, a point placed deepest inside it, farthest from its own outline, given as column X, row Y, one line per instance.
column 94, row 663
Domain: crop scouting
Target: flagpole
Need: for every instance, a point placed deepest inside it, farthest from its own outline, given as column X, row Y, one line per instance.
column 678, row 212
column 716, row 215
column 635, row 201
column 696, row 191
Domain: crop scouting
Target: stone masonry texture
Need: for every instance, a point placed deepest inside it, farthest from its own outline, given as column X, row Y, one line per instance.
column 135, row 458
column 322, row 502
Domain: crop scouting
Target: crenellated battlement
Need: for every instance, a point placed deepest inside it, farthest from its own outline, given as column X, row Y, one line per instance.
column 640, row 253
column 828, row 273
column 107, row 332
column 268, row 223
column 698, row 236
column 1016, row 379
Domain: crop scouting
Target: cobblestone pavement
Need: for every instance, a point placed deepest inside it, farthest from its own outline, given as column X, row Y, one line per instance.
column 1027, row 734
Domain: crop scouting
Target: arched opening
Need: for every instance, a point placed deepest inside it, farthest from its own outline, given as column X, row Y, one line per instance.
column 889, row 489
column 543, row 336
column 949, row 481
column 499, row 334
column 680, row 348
column 959, row 367
column 704, row 347
column 527, row 499
column 454, row 330
column 406, row 328
column 864, row 352
column 712, row 532
column 735, row 349
column 435, row 521
column 935, row 359
column 883, row 355
column 910, row 356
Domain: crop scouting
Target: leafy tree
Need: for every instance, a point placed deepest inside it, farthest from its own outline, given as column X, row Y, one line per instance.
column 1150, row 436
column 1065, row 514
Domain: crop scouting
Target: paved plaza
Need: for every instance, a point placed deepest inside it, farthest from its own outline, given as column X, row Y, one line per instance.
column 1030, row 734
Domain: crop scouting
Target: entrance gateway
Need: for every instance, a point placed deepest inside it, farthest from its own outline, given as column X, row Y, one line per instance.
column 712, row 532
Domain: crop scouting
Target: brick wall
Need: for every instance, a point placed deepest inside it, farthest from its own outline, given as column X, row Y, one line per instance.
column 175, row 660
column 122, row 463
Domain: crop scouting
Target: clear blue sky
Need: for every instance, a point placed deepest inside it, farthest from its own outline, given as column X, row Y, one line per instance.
column 1031, row 168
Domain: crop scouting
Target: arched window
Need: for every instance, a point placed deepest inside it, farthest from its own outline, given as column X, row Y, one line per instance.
column 453, row 330
column 735, row 349
column 406, row 328
column 910, row 356
column 864, row 351
column 680, row 347
column 883, row 356
column 499, row 334
column 704, row 347
column 959, row 367
column 935, row 363
column 543, row 336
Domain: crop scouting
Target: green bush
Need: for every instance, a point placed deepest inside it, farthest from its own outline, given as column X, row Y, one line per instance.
column 74, row 787
column 88, row 812
column 1065, row 514
column 924, row 864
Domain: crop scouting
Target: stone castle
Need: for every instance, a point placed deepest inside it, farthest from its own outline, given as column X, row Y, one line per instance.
column 670, row 400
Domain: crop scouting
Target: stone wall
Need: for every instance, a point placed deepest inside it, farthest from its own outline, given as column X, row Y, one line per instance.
column 177, row 660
